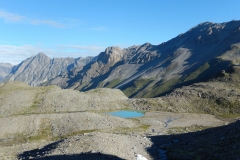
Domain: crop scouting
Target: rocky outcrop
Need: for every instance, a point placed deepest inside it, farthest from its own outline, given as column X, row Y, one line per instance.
column 111, row 55
column 5, row 69
column 40, row 68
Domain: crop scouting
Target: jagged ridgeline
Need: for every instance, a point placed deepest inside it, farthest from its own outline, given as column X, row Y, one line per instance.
column 40, row 68
column 147, row 70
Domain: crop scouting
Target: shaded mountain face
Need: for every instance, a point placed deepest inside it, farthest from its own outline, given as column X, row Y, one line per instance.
column 152, row 70
column 40, row 68
column 5, row 69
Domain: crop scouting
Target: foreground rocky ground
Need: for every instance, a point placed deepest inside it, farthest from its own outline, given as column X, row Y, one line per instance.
column 75, row 134
column 50, row 123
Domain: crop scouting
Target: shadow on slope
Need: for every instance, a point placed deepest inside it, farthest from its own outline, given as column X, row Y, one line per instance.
column 83, row 156
column 40, row 154
column 214, row 143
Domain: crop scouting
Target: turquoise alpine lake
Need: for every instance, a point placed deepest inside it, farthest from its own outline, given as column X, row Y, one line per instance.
column 126, row 114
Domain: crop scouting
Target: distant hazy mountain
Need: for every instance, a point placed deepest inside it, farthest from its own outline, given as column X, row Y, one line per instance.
column 5, row 69
column 151, row 70
column 40, row 68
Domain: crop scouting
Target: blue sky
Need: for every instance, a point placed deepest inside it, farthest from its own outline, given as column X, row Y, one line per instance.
column 80, row 28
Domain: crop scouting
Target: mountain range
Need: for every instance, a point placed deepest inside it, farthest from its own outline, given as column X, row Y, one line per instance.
column 147, row 70
column 40, row 68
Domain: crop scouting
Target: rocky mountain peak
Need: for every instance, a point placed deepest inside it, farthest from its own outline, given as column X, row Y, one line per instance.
column 41, row 57
column 111, row 55
column 210, row 27
column 209, row 33
column 113, row 50
column 41, row 54
column 145, row 46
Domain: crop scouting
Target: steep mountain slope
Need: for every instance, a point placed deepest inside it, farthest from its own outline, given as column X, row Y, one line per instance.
column 152, row 70
column 218, row 96
column 40, row 68
column 5, row 69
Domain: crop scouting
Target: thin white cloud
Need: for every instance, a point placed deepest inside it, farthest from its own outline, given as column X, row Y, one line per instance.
column 9, row 17
column 47, row 22
column 16, row 54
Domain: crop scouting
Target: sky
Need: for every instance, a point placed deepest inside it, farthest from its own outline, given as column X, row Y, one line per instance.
column 80, row 28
